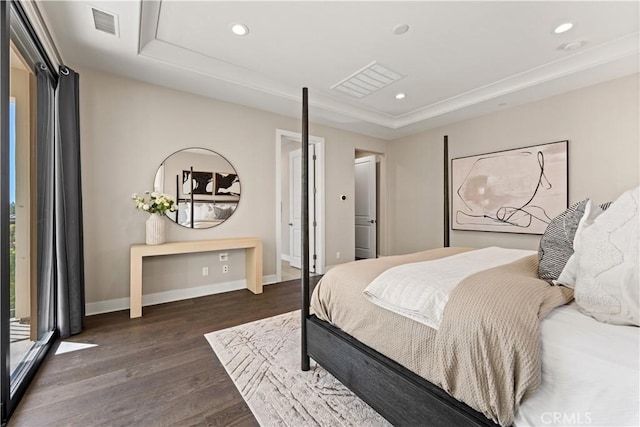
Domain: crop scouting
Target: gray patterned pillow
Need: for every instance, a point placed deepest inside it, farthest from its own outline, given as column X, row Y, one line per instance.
column 222, row 212
column 556, row 244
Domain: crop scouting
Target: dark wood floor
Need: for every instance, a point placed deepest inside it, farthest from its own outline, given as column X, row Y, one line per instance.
column 157, row 370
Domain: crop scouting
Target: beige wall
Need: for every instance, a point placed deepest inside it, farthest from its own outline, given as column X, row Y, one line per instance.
column 601, row 123
column 129, row 127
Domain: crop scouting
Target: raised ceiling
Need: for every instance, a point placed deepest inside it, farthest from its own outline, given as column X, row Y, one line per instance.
column 457, row 60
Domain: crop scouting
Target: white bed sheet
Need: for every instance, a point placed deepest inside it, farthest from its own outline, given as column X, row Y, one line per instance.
column 421, row 290
column 590, row 374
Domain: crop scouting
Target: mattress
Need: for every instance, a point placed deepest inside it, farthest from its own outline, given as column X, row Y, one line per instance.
column 590, row 373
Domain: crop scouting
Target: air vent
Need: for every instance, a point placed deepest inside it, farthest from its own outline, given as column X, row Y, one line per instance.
column 105, row 21
column 367, row 80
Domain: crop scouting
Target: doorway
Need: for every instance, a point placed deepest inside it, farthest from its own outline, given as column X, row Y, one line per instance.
column 367, row 204
column 288, row 206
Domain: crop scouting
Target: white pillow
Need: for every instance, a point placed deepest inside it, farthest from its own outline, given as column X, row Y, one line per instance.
column 607, row 285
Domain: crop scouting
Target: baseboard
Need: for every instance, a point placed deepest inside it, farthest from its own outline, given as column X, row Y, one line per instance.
column 118, row 304
column 286, row 257
column 106, row 306
column 269, row 280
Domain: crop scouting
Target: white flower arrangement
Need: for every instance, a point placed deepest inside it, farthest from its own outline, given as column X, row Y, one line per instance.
column 158, row 203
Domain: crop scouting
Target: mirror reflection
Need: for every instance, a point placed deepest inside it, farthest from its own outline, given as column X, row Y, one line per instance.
column 204, row 185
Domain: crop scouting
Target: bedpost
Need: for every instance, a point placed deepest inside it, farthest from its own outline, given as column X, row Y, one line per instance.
column 191, row 191
column 305, row 228
column 177, row 197
column 446, row 192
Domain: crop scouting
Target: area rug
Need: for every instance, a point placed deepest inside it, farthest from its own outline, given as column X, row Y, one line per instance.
column 263, row 359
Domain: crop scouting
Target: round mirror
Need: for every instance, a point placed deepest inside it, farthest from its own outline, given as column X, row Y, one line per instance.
column 204, row 185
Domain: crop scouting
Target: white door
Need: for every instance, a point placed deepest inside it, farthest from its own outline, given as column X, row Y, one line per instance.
column 295, row 209
column 365, row 201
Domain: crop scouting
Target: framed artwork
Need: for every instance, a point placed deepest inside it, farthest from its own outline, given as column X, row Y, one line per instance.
column 227, row 184
column 201, row 182
column 512, row 191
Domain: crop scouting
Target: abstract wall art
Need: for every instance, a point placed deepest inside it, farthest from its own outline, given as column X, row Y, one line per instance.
column 227, row 184
column 201, row 182
column 513, row 191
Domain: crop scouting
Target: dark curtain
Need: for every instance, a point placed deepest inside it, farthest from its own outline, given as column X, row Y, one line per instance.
column 68, row 203
column 45, row 135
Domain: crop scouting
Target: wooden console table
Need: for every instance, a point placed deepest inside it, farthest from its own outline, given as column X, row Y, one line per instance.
column 253, row 246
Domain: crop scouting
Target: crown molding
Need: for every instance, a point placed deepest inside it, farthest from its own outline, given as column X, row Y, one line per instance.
column 579, row 61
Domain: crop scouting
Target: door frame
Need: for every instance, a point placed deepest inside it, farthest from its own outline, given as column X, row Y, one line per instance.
column 373, row 191
column 283, row 136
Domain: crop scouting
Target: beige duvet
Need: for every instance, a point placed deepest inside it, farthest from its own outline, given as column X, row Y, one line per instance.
column 486, row 352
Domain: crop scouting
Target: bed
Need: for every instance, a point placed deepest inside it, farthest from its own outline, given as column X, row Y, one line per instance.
column 577, row 370
column 579, row 353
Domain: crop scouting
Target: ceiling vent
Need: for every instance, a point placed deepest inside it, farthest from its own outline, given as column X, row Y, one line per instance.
column 105, row 21
column 367, row 80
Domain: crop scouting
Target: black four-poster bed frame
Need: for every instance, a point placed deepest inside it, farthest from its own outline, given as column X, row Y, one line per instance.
column 396, row 393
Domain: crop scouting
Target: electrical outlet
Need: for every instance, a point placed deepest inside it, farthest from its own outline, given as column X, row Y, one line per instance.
column 225, row 268
column 205, row 271
column 337, row 255
column 224, row 257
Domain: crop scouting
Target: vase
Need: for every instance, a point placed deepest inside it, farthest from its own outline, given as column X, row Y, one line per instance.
column 155, row 229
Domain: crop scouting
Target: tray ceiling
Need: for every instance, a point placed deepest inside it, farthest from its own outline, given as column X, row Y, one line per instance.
column 457, row 60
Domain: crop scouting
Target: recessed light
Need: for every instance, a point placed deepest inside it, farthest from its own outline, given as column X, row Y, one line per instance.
column 400, row 29
column 240, row 29
column 563, row 28
column 570, row 46
column 400, row 95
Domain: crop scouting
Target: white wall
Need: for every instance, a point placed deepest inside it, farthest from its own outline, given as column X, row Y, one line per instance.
column 601, row 123
column 129, row 127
